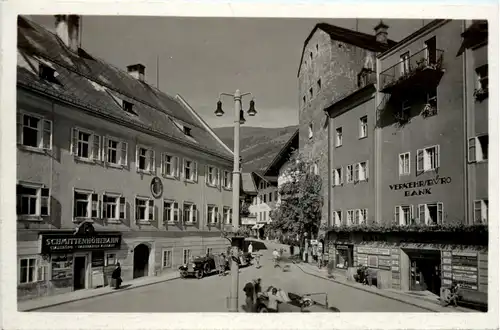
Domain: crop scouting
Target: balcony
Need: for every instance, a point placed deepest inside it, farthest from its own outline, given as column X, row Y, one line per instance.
column 421, row 70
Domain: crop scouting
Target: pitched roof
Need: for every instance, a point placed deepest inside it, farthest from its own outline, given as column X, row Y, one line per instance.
column 282, row 156
column 99, row 87
column 360, row 39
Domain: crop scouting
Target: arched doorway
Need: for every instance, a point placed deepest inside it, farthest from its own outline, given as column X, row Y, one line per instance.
column 141, row 260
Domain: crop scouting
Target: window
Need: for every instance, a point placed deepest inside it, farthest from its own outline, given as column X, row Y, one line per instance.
column 430, row 214
column 166, row 258
column 144, row 209
column 110, row 259
column 403, row 215
column 212, row 214
column 361, row 171
column 34, row 131
column 428, row 159
column 115, row 151
column 170, row 211
column 404, row 163
column 319, row 84
column 349, row 174
column 360, row 215
column 47, row 73
column 338, row 177
column 482, row 77
column 212, row 176
column 265, row 198
column 113, row 207
column 363, row 127
column 209, row 251
column 30, row 270
column 228, row 215
column 478, row 148
column 405, row 63
column 85, row 204
column 187, row 130
column 311, row 130
column 190, row 170
column 169, row 166
column 270, row 197
column 337, row 217
column 86, row 145
column 227, row 180
column 32, row 200
column 350, row 217
column 430, row 50
column 276, row 195
column 373, row 261
column 186, row 256
column 311, row 94
column 338, row 140
column 190, row 213
column 432, row 98
column 128, row 107
column 145, row 160
column 481, row 211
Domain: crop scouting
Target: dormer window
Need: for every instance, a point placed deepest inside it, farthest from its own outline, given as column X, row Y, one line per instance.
column 127, row 106
column 187, row 131
column 47, row 73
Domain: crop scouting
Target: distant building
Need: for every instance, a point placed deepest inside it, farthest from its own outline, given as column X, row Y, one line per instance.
column 100, row 146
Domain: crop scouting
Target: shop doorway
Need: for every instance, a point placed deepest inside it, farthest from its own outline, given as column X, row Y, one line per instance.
column 425, row 271
column 344, row 256
column 79, row 270
column 141, row 260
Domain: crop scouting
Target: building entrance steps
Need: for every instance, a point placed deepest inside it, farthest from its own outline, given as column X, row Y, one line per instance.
column 39, row 303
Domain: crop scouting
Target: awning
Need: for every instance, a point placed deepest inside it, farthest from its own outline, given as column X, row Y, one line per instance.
column 258, row 226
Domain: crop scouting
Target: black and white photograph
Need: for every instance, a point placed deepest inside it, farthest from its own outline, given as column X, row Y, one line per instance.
column 237, row 164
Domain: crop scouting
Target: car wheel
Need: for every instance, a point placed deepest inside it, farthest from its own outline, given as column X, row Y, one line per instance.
column 206, row 269
column 263, row 309
column 183, row 274
column 199, row 274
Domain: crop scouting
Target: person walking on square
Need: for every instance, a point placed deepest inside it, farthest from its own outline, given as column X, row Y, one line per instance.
column 249, row 290
column 116, row 276
column 250, row 248
column 320, row 254
column 276, row 256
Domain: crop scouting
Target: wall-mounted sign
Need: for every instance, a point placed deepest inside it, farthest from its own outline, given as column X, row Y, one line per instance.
column 369, row 250
column 418, row 188
column 63, row 243
column 156, row 187
column 461, row 267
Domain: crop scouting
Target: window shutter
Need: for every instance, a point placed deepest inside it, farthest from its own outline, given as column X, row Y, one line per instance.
column 182, row 169
column 218, row 178
column 176, row 212
column 124, row 154
column 104, row 200
column 216, row 212
column 151, row 210
column 152, row 163
column 155, row 213
column 396, row 215
column 367, row 169
column 412, row 220
column 421, row 214
column 195, row 213
column 207, row 174
column 45, row 202
column 137, row 158
column 122, row 208
column 420, row 160
column 472, row 150
column 105, row 146
column 195, row 171
column 440, row 213
column 177, row 165
column 47, row 134
column 74, row 141
column 19, row 199
column 95, row 205
column 356, row 172
column 19, row 122
column 342, row 175
column 438, row 157
column 206, row 216
column 74, row 204
column 96, row 147
column 163, row 165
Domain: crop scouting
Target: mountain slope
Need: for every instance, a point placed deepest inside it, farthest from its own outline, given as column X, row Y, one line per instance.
column 258, row 145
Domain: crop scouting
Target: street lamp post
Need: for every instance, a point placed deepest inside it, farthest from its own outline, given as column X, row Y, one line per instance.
column 239, row 119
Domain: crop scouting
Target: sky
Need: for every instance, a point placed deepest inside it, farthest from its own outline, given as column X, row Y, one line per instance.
column 202, row 57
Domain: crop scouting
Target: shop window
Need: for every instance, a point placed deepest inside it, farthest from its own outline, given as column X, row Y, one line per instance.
column 403, row 215
column 145, row 160
column 478, row 148
column 338, row 138
column 373, row 261
column 404, row 163
column 85, row 204
column 170, row 211
column 212, row 214
column 361, row 171
column 190, row 213
column 144, row 209
column 169, row 166
column 227, row 180
column 113, row 207
column 342, row 258
column 30, row 270
column 166, row 260
column 338, row 176
column 190, row 170
column 34, row 131
column 350, row 217
column 481, row 211
column 110, row 259
column 338, row 217
column 62, row 266
column 33, row 200
column 186, row 256
column 115, row 152
column 363, row 127
column 428, row 159
column 430, row 214
column 349, row 173
column 85, row 145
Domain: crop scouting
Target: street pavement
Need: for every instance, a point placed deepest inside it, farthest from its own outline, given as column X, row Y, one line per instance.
column 210, row 294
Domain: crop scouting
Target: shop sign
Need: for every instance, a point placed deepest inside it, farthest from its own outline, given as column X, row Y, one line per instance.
column 156, row 187
column 341, row 247
column 368, row 250
column 54, row 243
column 395, row 268
column 418, row 188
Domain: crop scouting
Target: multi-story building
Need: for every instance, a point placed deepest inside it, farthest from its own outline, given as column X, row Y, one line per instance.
column 421, row 124
column 263, row 203
column 100, row 146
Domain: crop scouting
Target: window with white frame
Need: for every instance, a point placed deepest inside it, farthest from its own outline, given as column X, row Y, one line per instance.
column 481, row 211
column 144, row 209
column 338, row 217
column 361, row 171
column 338, row 137
column 405, row 63
column 186, row 256
column 169, row 165
column 190, row 213
column 115, row 151
column 349, row 173
column 30, row 270
column 32, row 200
column 190, row 170
column 404, row 163
column 350, row 217
column 338, row 177
column 113, row 207
column 228, row 215
column 403, row 215
column 170, row 211
column 34, row 131
column 363, row 127
column 478, row 148
column 85, row 204
column 482, row 77
column 212, row 176
column 145, row 159
column 360, row 216
column 85, row 144
column 428, row 159
column 166, row 258
column 212, row 214
column 227, row 180
column 430, row 214
column 432, row 99
column 311, row 130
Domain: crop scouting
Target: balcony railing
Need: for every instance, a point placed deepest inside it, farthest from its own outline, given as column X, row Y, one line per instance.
column 418, row 69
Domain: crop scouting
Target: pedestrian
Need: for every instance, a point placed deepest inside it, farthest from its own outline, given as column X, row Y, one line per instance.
column 274, row 299
column 257, row 260
column 249, row 294
column 250, row 248
column 320, row 254
column 116, row 276
column 276, row 256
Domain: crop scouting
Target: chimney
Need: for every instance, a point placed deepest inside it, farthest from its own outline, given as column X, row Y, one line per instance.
column 137, row 71
column 381, row 32
column 68, row 30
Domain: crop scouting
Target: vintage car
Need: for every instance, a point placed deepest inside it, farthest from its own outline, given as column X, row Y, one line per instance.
column 294, row 303
column 198, row 267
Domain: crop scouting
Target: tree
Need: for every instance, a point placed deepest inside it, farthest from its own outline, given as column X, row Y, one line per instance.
column 301, row 200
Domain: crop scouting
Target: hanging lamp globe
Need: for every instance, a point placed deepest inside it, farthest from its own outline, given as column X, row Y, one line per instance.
column 242, row 117
column 251, row 111
column 218, row 111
